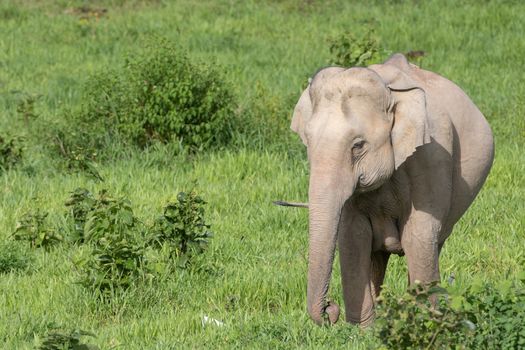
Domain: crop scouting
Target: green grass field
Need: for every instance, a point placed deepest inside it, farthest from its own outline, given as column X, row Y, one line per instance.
column 257, row 281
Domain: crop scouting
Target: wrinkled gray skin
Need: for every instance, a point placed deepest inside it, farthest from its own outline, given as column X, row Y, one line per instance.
column 397, row 154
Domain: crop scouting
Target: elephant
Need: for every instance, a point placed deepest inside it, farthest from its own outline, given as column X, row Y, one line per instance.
column 396, row 156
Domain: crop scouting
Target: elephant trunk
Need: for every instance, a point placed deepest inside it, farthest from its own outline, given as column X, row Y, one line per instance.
column 327, row 195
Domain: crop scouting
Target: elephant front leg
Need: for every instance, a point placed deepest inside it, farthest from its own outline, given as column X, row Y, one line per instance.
column 420, row 244
column 355, row 249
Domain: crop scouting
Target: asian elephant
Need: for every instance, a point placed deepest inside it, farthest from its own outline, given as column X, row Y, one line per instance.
column 397, row 154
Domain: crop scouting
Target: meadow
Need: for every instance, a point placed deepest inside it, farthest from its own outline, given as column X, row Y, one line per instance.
column 255, row 282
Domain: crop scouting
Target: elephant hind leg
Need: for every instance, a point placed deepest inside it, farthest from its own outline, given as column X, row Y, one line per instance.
column 377, row 272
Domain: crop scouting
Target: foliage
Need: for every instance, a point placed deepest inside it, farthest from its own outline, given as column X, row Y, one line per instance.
column 11, row 152
column 159, row 94
column 182, row 227
column 481, row 316
column 62, row 340
column 33, row 226
column 413, row 322
column 350, row 50
column 82, row 160
column 110, row 217
column 26, row 108
column 81, row 202
column 498, row 310
column 109, row 224
column 13, row 257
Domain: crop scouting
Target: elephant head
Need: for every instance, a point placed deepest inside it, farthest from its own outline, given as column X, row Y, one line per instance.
column 359, row 126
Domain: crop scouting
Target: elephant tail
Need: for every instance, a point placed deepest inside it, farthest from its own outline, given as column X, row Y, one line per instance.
column 291, row 204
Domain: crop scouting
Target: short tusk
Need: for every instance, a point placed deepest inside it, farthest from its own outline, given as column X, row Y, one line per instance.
column 291, row 204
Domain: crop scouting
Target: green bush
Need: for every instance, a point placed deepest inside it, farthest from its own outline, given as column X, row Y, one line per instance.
column 349, row 50
column 121, row 251
column 80, row 202
column 33, row 226
column 11, row 152
column 159, row 95
column 498, row 312
column 481, row 316
column 117, row 258
column 13, row 257
column 26, row 108
column 182, row 228
column 65, row 340
column 412, row 322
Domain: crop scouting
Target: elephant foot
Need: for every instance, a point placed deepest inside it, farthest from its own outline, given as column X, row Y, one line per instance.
column 362, row 321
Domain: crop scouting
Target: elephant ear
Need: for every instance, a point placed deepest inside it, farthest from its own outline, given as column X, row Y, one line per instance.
column 407, row 106
column 301, row 114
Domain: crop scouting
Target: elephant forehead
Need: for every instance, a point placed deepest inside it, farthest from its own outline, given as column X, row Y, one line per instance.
column 349, row 84
column 366, row 109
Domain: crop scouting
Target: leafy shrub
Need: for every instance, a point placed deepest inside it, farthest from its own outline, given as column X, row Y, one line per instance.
column 62, row 340
column 349, row 50
column 33, row 227
column 498, row 312
column 11, row 151
column 13, row 257
column 412, row 322
column 182, row 227
column 82, row 160
column 26, row 107
column 81, row 202
column 110, row 216
column 117, row 258
column 116, row 262
column 161, row 95
column 481, row 316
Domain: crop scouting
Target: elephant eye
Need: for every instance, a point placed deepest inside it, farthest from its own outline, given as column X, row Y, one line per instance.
column 358, row 145
column 357, row 149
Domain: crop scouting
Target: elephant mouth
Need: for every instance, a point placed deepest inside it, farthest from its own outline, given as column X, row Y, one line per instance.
column 366, row 185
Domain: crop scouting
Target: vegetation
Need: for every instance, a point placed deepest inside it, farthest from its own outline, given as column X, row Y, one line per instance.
column 76, row 103
column 182, row 227
column 14, row 257
column 159, row 94
column 483, row 316
column 349, row 50
column 34, row 227
column 10, row 152
column 60, row 340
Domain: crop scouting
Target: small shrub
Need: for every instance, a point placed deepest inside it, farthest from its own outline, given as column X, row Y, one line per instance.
column 159, row 95
column 498, row 312
column 411, row 322
column 182, row 227
column 349, row 50
column 110, row 217
column 13, row 257
column 62, row 340
column 81, row 202
column 117, row 258
column 11, row 152
column 26, row 107
column 33, row 227
column 115, row 263
column 481, row 316
column 83, row 161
